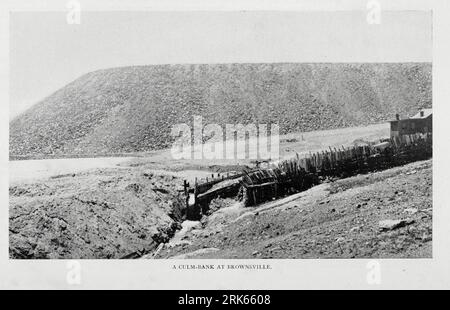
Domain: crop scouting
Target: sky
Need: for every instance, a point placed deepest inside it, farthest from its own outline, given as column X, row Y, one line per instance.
column 47, row 53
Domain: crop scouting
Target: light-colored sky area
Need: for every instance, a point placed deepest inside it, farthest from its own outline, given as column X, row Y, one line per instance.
column 46, row 52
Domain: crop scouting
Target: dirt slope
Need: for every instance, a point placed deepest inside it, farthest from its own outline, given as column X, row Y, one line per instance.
column 334, row 220
column 132, row 109
column 105, row 213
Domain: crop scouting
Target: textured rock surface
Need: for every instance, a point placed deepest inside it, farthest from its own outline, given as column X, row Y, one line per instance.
column 106, row 213
column 132, row 109
column 335, row 220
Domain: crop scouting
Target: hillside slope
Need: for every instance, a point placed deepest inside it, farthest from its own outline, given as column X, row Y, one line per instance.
column 340, row 219
column 132, row 109
column 96, row 214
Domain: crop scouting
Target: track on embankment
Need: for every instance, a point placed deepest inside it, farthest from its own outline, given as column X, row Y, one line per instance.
column 298, row 174
column 336, row 219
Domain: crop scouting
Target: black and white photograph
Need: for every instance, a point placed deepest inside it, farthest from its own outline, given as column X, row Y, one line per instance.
column 193, row 134
column 217, row 160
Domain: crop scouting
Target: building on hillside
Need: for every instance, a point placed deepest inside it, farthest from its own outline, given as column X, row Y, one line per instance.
column 419, row 123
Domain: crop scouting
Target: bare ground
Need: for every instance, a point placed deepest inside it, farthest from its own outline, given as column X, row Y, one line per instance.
column 111, row 212
column 339, row 219
column 105, row 213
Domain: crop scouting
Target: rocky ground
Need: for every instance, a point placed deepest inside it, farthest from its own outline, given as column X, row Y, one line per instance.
column 104, row 213
column 133, row 109
column 109, row 213
column 387, row 214
column 111, row 207
column 134, row 205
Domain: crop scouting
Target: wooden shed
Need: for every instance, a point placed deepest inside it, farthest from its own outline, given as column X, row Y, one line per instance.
column 419, row 123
